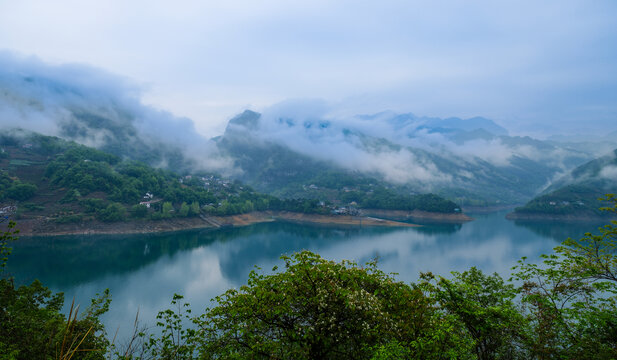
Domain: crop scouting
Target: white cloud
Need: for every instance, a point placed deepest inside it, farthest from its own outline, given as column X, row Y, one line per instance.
column 609, row 172
column 44, row 98
column 522, row 63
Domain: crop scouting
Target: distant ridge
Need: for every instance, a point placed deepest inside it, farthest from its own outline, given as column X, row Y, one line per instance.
column 576, row 194
column 284, row 156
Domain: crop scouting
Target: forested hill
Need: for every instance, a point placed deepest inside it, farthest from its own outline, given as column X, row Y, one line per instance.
column 47, row 176
column 472, row 161
column 62, row 181
column 578, row 193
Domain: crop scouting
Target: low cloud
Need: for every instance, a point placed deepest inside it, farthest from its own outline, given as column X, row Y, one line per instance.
column 97, row 109
column 402, row 148
column 609, row 172
column 307, row 128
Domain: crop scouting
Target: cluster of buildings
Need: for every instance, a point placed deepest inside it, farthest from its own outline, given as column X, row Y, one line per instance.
column 148, row 200
column 210, row 182
column 345, row 210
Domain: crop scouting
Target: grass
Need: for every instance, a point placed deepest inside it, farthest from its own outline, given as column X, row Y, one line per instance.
column 72, row 340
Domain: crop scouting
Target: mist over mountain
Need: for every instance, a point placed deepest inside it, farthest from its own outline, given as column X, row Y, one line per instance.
column 472, row 160
column 98, row 109
column 577, row 193
column 287, row 146
column 600, row 174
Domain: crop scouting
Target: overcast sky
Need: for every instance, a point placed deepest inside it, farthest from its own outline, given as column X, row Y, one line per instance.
column 532, row 66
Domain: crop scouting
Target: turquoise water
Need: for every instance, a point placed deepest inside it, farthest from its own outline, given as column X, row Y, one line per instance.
column 144, row 271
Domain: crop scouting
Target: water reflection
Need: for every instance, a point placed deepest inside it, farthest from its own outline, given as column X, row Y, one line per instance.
column 560, row 231
column 143, row 272
column 435, row 229
column 71, row 260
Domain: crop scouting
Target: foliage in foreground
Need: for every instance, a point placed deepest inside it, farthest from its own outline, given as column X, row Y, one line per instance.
column 32, row 325
column 564, row 308
column 571, row 299
column 320, row 309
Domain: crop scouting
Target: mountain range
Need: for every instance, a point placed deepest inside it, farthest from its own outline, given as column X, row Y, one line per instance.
column 298, row 148
column 472, row 161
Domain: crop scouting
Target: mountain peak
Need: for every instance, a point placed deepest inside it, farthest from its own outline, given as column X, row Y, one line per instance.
column 470, row 124
column 248, row 119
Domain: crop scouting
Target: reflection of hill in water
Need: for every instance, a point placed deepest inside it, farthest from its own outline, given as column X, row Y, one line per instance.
column 560, row 231
column 274, row 239
column 428, row 226
column 439, row 229
column 265, row 243
column 62, row 260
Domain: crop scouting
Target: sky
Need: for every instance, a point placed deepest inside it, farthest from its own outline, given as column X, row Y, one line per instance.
column 533, row 67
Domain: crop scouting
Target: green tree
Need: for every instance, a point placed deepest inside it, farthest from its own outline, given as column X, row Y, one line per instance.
column 194, row 210
column 6, row 237
column 571, row 297
column 484, row 306
column 139, row 211
column 319, row 309
column 92, row 205
column 167, row 210
column 224, row 209
column 71, row 196
column 184, row 210
column 176, row 341
column 32, row 325
column 113, row 212
column 248, row 206
column 21, row 191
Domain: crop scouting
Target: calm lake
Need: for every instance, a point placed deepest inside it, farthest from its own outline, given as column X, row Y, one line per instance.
column 144, row 271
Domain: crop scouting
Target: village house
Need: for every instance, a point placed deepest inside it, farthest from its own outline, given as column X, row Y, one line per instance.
column 8, row 210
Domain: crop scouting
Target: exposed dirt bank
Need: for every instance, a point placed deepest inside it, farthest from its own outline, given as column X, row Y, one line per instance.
column 337, row 220
column 417, row 214
column 46, row 227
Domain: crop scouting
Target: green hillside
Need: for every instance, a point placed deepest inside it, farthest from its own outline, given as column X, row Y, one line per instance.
column 272, row 167
column 61, row 181
column 67, row 182
column 579, row 192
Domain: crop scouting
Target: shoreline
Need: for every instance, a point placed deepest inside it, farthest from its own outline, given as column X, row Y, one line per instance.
column 46, row 227
column 488, row 209
column 335, row 220
column 418, row 215
column 558, row 217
